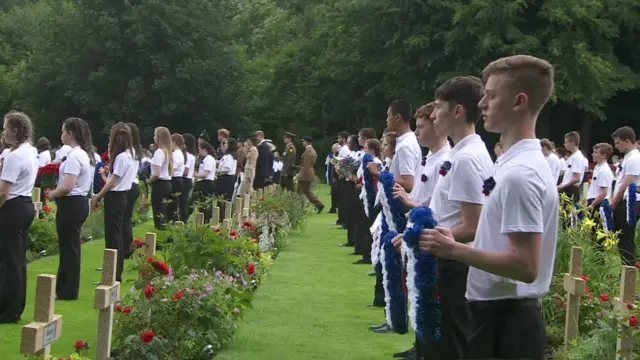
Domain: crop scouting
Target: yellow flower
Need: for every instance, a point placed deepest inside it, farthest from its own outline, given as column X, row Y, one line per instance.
column 588, row 223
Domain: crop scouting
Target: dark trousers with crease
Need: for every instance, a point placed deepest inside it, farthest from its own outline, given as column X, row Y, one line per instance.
column 160, row 194
column 351, row 209
column 507, row 329
column 335, row 195
column 173, row 208
column 70, row 216
column 342, row 202
column 223, row 187
column 363, row 232
column 16, row 216
column 627, row 242
column 115, row 204
column 187, row 186
column 127, row 220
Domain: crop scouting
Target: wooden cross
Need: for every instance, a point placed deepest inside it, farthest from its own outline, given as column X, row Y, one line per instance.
column 624, row 347
column 254, row 196
column 47, row 327
column 227, row 209
column 106, row 295
column 215, row 219
column 575, row 287
column 245, row 214
column 200, row 218
column 226, row 224
column 246, row 202
column 238, row 205
column 37, row 200
column 150, row 244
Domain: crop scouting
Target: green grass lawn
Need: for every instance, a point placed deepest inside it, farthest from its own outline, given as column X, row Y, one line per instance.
column 79, row 318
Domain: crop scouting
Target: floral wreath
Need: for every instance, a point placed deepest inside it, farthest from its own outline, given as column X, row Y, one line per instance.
column 606, row 214
column 422, row 276
column 392, row 208
column 396, row 303
column 632, row 218
column 368, row 194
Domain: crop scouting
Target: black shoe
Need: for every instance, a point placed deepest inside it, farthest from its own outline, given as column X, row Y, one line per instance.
column 332, row 211
column 375, row 305
column 355, row 253
column 383, row 330
column 373, row 327
column 320, row 208
column 360, row 262
column 406, row 353
column 372, row 274
column 345, row 245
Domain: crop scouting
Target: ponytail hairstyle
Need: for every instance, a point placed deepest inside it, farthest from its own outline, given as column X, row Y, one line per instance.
column 208, row 147
column 190, row 144
column 164, row 144
column 135, row 141
column 119, row 141
column 82, row 134
column 21, row 123
column 179, row 141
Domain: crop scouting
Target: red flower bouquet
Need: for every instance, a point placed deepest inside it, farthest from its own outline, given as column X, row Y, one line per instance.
column 48, row 176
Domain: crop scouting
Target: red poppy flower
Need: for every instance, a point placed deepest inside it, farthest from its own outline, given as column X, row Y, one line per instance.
column 149, row 291
column 633, row 321
column 150, row 259
column 148, row 336
column 161, row 267
column 81, row 344
column 178, row 295
column 233, row 233
column 127, row 310
column 604, row 297
column 251, row 269
column 216, row 229
column 46, row 209
column 118, row 308
column 584, row 277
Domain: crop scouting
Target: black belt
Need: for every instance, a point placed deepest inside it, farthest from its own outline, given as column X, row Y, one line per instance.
column 504, row 304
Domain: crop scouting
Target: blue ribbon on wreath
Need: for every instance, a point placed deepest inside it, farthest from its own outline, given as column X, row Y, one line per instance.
column 396, row 307
column 369, row 187
column 606, row 213
column 384, row 229
column 632, row 216
column 396, row 206
column 422, row 277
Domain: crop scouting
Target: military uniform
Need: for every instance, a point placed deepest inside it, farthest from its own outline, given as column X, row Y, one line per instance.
column 289, row 161
column 308, row 175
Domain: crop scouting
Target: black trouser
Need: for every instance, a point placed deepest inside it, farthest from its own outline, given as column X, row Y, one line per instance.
column 115, row 204
column 342, row 202
column 507, row 329
column 351, row 208
column 363, row 232
column 184, row 198
column 71, row 214
column 378, row 290
column 287, row 181
column 160, row 194
column 127, row 220
column 202, row 192
column 573, row 192
column 627, row 243
column 456, row 317
column 224, row 188
column 173, row 208
column 16, row 217
column 335, row 196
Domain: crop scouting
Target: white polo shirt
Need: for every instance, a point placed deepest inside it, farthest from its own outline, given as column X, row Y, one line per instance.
column 20, row 168
column 208, row 164
column 77, row 164
column 471, row 165
column 344, row 151
column 44, row 158
column 555, row 165
column 228, row 162
column 178, row 163
column 630, row 166
column 408, row 157
column 602, row 178
column 190, row 164
column 136, row 167
column 62, row 152
column 123, row 168
column 525, row 199
column 161, row 160
column 426, row 182
column 574, row 165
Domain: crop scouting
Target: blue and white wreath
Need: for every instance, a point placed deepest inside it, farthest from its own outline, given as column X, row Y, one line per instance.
column 368, row 193
column 632, row 217
column 396, row 303
column 606, row 215
column 392, row 208
column 422, row 276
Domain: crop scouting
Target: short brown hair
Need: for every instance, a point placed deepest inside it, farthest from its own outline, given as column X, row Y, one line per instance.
column 374, row 145
column 573, row 136
column 465, row 91
column 605, row 149
column 43, row 144
column 624, row 133
column 223, row 132
column 547, row 144
column 528, row 74
column 425, row 111
column 368, row 133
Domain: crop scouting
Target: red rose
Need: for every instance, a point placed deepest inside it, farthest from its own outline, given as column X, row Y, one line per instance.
column 118, row 308
column 148, row 336
column 161, row 267
column 81, row 344
column 631, row 306
column 216, row 229
column 178, row 295
column 149, row 291
column 233, row 233
column 584, row 277
column 633, row 321
column 150, row 259
column 604, row 297
column 126, row 310
column 46, row 209
column 251, row 269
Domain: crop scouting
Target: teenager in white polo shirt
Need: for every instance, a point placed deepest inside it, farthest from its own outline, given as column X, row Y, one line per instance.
column 511, row 262
column 574, row 171
column 17, row 176
column 160, row 180
column 600, row 187
column 457, row 201
column 134, row 192
column 555, row 165
column 629, row 172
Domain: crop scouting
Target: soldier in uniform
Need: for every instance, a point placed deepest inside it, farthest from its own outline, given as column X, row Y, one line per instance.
column 289, row 161
column 307, row 173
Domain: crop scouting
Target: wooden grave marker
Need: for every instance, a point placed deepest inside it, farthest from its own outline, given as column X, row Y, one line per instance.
column 574, row 285
column 106, row 295
column 215, row 218
column 36, row 195
column 624, row 346
column 200, row 218
column 150, row 244
column 227, row 209
column 47, row 326
column 226, row 224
